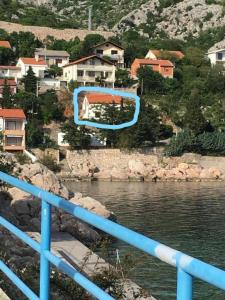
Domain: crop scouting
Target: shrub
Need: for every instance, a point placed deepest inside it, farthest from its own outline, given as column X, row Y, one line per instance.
column 22, row 158
column 184, row 141
column 50, row 163
column 211, row 143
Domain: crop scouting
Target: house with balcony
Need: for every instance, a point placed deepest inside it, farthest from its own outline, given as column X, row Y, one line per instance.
column 217, row 56
column 5, row 44
column 11, row 83
column 38, row 66
column 52, row 57
column 12, row 126
column 110, row 51
column 93, row 104
column 90, row 71
column 163, row 67
column 10, row 72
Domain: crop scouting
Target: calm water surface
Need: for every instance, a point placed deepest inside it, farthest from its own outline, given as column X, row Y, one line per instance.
column 186, row 216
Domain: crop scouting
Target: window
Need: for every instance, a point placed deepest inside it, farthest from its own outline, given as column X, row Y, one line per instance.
column 66, row 74
column 106, row 74
column 91, row 74
column 99, row 51
column 80, row 73
column 219, row 55
column 58, row 60
column 13, row 125
column 113, row 52
column 92, row 62
column 13, row 141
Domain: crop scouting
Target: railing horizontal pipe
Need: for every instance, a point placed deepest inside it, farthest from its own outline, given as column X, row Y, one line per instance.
column 20, row 234
column 173, row 257
column 18, row 282
column 78, row 277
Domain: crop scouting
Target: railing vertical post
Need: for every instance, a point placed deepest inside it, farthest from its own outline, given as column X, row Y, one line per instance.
column 45, row 245
column 184, row 285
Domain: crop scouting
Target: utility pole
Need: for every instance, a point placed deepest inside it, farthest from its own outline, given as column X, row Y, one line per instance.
column 90, row 18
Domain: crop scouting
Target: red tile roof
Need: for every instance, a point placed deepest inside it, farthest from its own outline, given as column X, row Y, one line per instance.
column 103, row 99
column 7, row 82
column 161, row 62
column 87, row 58
column 5, row 44
column 9, row 68
column 12, row 113
column 160, row 53
column 33, row 61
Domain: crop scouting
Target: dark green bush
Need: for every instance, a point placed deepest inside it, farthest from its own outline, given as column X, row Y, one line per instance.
column 211, row 143
column 50, row 163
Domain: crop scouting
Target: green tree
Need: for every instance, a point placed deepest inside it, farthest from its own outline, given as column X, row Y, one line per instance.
column 34, row 133
column 89, row 41
column 76, row 136
column 29, row 103
column 6, row 101
column 215, row 81
column 193, row 118
column 123, row 78
column 6, row 56
column 149, row 81
column 30, row 81
column 54, row 71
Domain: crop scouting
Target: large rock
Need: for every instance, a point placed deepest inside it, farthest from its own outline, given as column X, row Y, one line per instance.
column 137, row 167
column 104, row 174
column 92, row 205
column 119, row 174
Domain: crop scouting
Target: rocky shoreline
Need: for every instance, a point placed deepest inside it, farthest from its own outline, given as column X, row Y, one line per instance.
column 148, row 168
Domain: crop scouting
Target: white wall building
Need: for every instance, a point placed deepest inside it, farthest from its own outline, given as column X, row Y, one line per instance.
column 86, row 71
column 111, row 51
column 10, row 72
column 216, row 56
column 38, row 66
column 94, row 104
column 52, row 57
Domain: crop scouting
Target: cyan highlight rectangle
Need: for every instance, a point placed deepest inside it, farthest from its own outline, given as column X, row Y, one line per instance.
column 106, row 91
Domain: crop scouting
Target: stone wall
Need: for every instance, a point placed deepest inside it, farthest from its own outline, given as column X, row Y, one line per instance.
column 110, row 158
column 147, row 165
column 54, row 153
column 42, row 32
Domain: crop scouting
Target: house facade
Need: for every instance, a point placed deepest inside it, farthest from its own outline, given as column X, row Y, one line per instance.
column 217, row 56
column 110, row 51
column 88, row 71
column 52, row 57
column 10, row 72
column 5, row 44
column 93, row 104
column 164, row 67
column 38, row 66
column 164, row 54
column 9, row 82
column 12, row 126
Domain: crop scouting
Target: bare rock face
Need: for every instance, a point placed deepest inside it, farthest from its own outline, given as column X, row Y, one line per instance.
column 92, row 205
column 137, row 167
column 119, row 174
column 104, row 175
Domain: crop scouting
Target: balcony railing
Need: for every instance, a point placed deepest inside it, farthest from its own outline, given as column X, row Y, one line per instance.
column 187, row 266
column 17, row 132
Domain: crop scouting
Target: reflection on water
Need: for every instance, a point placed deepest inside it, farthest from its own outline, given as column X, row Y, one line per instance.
column 189, row 217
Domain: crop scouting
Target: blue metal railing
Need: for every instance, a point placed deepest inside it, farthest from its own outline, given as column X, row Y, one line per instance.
column 187, row 266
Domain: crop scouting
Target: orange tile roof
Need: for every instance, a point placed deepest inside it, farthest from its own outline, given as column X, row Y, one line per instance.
column 9, row 68
column 103, row 99
column 32, row 61
column 161, row 62
column 159, row 53
column 5, row 44
column 87, row 58
column 12, row 113
column 7, row 82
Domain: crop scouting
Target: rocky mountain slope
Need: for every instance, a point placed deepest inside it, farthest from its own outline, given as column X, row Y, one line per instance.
column 172, row 18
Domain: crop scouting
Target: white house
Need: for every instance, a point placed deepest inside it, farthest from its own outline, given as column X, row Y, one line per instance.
column 52, row 57
column 38, row 66
column 12, row 125
column 111, row 51
column 10, row 72
column 93, row 104
column 89, row 70
column 216, row 56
